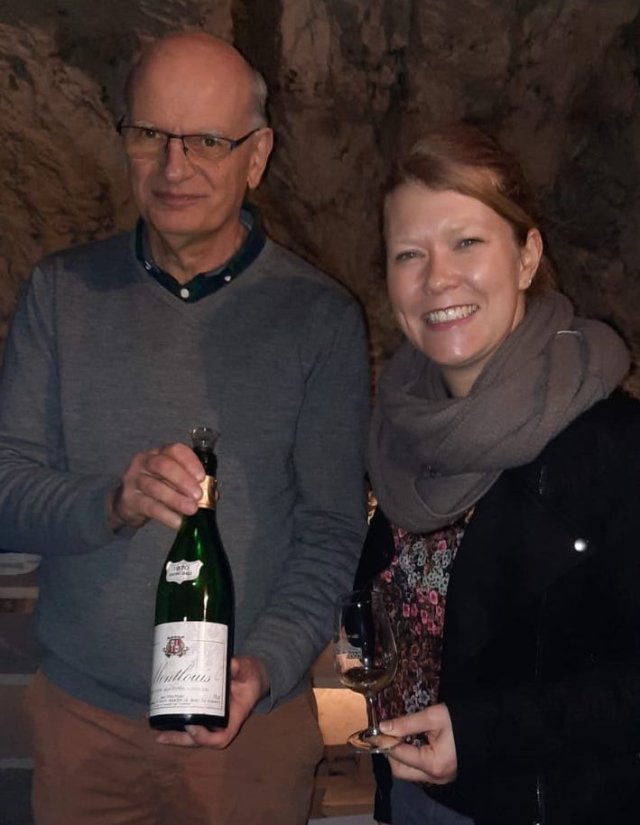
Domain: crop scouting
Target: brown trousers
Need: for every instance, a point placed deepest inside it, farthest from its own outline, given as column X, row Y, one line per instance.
column 93, row 767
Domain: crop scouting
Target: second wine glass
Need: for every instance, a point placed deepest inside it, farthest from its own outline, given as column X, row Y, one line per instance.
column 366, row 659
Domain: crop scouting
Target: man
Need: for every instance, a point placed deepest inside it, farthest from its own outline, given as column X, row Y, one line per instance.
column 117, row 349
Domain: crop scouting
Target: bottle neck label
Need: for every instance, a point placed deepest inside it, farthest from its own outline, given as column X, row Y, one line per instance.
column 209, row 495
column 182, row 571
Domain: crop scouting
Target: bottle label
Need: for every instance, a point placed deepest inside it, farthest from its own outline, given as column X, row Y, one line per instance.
column 209, row 497
column 189, row 669
column 182, row 571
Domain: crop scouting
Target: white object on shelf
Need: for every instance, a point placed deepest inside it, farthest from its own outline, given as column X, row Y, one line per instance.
column 17, row 564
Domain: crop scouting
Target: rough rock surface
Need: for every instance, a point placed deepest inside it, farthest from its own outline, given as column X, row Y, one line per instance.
column 559, row 82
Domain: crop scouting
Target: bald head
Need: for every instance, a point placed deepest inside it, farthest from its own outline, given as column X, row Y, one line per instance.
column 206, row 56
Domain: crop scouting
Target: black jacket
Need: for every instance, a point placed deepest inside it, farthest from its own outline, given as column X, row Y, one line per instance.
column 541, row 647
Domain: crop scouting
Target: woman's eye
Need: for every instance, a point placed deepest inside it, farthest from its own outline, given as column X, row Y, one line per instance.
column 405, row 255
column 465, row 243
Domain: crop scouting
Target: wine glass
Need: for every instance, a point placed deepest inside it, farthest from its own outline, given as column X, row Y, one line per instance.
column 366, row 659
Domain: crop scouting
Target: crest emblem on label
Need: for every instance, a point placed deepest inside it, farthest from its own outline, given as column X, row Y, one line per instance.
column 175, row 646
column 183, row 571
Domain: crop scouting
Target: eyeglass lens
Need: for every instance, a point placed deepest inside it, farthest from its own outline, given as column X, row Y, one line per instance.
column 140, row 142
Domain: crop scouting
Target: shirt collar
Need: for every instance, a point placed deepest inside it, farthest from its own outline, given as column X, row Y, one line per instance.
column 206, row 283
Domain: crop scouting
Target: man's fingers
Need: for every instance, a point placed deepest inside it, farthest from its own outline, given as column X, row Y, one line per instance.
column 199, row 736
column 158, row 491
column 161, row 484
column 213, row 738
column 169, row 467
column 176, row 738
column 196, row 736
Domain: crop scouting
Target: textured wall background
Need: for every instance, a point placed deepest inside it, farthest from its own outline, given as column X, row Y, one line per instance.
column 557, row 80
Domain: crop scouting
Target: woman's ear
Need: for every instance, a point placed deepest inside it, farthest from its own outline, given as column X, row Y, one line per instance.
column 530, row 255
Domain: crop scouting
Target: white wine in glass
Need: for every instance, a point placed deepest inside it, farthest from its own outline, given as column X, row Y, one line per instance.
column 366, row 659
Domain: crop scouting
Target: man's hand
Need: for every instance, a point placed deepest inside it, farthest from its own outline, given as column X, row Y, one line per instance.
column 161, row 484
column 436, row 762
column 249, row 683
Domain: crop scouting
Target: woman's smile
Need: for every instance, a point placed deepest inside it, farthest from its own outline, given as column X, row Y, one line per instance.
column 455, row 313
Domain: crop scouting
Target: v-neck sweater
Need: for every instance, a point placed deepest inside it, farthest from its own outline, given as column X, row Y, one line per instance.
column 104, row 362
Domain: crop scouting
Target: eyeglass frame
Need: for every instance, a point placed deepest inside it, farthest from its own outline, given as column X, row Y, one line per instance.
column 233, row 143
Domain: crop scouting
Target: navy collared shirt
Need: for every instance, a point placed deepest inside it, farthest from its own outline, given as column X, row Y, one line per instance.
column 206, row 283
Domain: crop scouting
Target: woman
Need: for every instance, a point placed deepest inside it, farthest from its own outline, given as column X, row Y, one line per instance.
column 506, row 465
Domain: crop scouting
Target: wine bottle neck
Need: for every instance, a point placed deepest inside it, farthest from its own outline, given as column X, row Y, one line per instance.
column 209, row 496
column 209, row 460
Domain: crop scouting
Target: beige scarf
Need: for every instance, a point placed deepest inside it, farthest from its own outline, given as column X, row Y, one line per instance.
column 432, row 456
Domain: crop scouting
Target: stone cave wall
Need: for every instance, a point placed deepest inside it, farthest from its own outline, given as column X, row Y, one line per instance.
column 557, row 80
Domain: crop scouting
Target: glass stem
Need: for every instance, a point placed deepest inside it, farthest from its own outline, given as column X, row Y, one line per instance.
column 372, row 714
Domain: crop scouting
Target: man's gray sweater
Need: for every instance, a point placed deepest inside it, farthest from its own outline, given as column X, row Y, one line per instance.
column 103, row 362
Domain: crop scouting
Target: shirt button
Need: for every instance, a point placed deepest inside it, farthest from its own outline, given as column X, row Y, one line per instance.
column 184, row 293
column 580, row 545
column 227, row 278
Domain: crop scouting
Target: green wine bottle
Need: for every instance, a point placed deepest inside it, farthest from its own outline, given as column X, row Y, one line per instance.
column 194, row 616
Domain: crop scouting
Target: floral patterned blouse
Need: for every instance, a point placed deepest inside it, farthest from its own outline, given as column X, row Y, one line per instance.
column 414, row 589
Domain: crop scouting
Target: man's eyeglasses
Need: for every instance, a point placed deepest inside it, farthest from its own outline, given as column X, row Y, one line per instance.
column 146, row 142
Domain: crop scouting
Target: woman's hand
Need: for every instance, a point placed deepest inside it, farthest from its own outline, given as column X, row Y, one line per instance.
column 435, row 762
